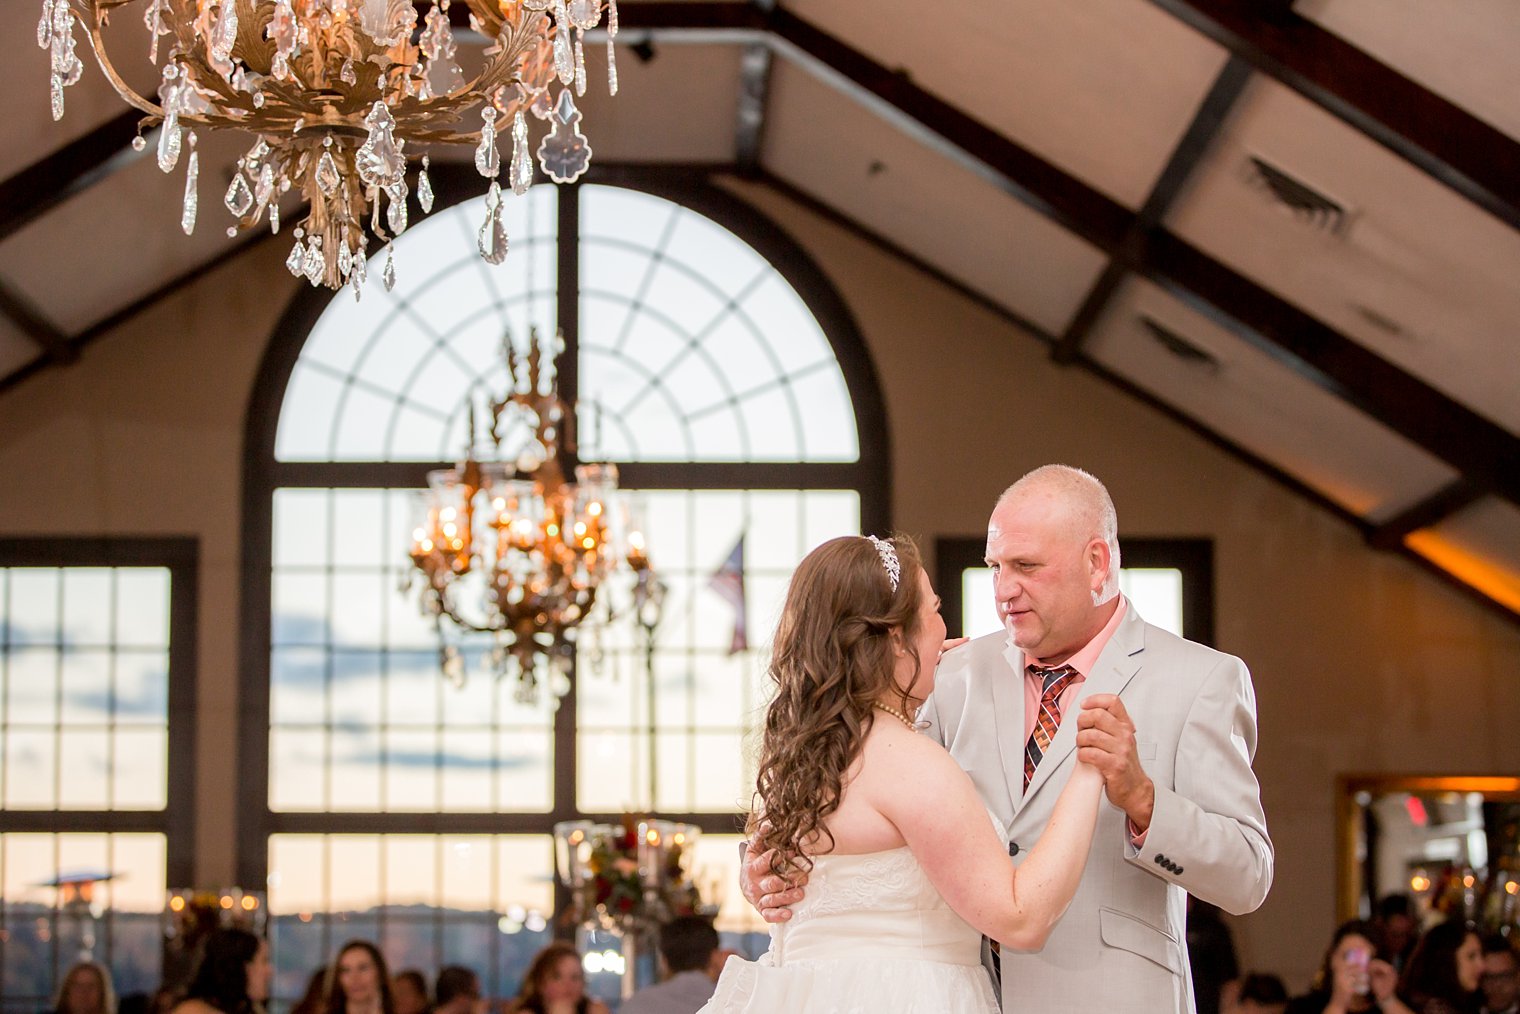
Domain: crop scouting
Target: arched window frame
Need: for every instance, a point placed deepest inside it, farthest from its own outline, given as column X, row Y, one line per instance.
column 870, row 475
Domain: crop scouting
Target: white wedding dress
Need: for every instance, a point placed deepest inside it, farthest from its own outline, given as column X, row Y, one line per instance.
column 870, row 936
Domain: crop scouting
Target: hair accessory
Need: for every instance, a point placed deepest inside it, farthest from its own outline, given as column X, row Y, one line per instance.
column 888, row 559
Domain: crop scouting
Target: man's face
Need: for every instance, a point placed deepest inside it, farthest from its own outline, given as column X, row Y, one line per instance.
column 1501, row 980
column 1044, row 575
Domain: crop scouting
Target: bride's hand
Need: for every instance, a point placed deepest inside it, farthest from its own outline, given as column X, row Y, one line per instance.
column 951, row 643
column 1106, row 740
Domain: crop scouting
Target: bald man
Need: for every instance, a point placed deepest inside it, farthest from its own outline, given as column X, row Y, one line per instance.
column 1077, row 673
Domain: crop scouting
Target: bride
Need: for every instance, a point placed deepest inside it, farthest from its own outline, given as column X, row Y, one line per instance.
column 906, row 868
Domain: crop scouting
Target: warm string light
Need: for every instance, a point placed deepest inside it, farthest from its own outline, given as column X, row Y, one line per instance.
column 334, row 92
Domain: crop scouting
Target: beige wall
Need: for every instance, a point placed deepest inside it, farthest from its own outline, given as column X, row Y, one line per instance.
column 1355, row 654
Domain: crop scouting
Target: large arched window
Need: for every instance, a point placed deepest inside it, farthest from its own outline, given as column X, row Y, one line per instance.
column 711, row 363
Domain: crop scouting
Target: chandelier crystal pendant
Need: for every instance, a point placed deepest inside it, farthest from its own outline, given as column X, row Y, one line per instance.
column 506, row 546
column 334, row 92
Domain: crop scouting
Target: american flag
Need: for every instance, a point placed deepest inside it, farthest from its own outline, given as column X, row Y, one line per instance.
column 728, row 583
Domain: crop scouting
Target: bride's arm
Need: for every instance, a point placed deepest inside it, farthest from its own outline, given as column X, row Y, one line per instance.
column 916, row 785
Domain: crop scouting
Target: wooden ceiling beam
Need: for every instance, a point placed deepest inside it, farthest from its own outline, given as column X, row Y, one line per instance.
column 1477, row 160
column 55, row 345
column 1443, row 503
column 1195, row 144
column 1480, row 449
column 754, row 92
column 75, row 167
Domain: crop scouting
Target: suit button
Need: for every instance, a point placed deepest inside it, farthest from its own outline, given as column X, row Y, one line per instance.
column 1013, row 848
column 1177, row 869
column 1161, row 860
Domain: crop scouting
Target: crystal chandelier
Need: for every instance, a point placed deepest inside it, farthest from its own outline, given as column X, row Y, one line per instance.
column 334, row 91
column 511, row 549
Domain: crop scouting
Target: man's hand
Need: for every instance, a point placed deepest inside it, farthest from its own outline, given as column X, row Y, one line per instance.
column 768, row 893
column 1106, row 740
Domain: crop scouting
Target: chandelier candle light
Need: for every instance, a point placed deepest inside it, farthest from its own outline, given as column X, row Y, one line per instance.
column 334, row 91
column 544, row 551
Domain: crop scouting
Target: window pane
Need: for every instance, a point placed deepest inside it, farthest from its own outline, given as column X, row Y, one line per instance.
column 380, row 379
column 84, row 677
column 1157, row 595
column 112, row 910
column 703, row 701
column 1155, row 592
column 482, row 901
column 694, row 348
column 353, row 665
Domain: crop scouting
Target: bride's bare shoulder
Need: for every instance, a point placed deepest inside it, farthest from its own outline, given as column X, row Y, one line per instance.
column 894, row 751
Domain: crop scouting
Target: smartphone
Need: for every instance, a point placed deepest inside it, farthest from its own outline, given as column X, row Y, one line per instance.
column 1357, row 959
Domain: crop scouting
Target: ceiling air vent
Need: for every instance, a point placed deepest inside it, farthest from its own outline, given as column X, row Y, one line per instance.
column 1318, row 210
column 1180, row 347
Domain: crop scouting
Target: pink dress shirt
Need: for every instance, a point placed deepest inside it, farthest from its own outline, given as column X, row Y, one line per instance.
column 1083, row 662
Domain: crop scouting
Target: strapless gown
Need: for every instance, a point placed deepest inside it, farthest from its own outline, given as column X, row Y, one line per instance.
column 870, row 936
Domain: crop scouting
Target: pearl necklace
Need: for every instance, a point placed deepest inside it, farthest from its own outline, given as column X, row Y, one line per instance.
column 904, row 719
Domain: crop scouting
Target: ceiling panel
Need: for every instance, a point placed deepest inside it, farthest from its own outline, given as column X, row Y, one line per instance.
column 1409, row 269
column 16, row 349
column 1102, row 88
column 28, row 131
column 1479, row 545
column 1256, row 402
column 121, row 239
column 1465, row 54
column 681, row 105
column 829, row 147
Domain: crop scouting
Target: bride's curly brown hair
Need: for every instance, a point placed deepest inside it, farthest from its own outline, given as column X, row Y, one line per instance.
column 832, row 659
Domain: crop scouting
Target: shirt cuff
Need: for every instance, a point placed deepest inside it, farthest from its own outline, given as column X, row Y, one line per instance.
column 1136, row 837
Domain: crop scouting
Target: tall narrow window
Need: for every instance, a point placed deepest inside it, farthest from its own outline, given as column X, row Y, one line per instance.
column 96, row 655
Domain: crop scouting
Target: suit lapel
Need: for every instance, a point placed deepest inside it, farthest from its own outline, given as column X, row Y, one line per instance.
column 1008, row 711
column 1117, row 664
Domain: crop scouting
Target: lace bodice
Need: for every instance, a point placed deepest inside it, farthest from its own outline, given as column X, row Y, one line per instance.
column 870, row 935
column 884, row 897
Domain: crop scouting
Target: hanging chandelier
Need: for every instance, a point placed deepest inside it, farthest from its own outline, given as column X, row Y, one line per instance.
column 506, row 546
column 334, row 92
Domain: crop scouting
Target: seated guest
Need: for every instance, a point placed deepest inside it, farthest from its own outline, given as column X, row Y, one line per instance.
column 409, row 991
column 555, row 984
column 687, row 945
column 86, row 989
column 1500, row 982
column 1211, row 955
column 1400, row 930
column 1350, row 978
column 314, row 1000
column 232, row 976
column 1255, row 993
column 1444, row 971
column 457, row 991
column 358, row 983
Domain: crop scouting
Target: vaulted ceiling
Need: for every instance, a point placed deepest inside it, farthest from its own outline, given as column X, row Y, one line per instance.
column 1295, row 227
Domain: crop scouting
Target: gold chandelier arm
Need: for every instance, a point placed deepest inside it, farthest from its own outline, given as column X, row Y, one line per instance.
column 126, row 91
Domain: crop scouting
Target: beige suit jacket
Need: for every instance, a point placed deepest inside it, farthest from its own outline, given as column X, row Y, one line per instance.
column 1121, row 946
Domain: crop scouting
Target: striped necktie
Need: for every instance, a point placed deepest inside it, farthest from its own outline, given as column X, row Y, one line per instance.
column 1055, row 683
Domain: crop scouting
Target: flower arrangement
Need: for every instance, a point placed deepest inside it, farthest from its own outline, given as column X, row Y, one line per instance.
column 632, row 873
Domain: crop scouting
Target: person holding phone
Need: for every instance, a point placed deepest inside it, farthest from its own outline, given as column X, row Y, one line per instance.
column 1351, row 978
